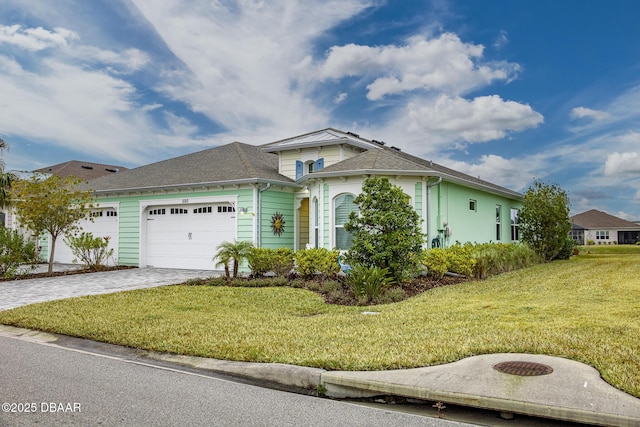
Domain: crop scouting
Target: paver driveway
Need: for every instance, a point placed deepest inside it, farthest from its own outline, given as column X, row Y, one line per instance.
column 17, row 293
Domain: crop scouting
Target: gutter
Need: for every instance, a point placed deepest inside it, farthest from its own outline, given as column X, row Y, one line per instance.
column 199, row 184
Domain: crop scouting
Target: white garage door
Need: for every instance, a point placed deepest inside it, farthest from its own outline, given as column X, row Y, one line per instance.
column 105, row 223
column 186, row 236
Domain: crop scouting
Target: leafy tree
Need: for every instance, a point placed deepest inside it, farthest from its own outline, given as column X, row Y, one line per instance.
column 6, row 179
column 51, row 205
column 232, row 251
column 544, row 219
column 15, row 250
column 386, row 230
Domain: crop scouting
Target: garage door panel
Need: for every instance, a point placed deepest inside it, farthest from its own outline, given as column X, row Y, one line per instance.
column 104, row 224
column 187, row 236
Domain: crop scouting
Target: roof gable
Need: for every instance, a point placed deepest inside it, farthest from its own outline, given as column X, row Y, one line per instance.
column 324, row 137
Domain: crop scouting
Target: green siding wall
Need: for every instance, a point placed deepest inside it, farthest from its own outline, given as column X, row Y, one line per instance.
column 326, row 215
column 468, row 225
column 245, row 221
column 418, row 200
column 281, row 202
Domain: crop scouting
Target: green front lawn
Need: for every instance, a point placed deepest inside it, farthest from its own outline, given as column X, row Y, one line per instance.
column 586, row 309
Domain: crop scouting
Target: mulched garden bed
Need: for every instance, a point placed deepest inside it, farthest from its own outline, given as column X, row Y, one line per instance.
column 62, row 273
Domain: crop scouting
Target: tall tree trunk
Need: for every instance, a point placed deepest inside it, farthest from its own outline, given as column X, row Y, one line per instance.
column 53, row 252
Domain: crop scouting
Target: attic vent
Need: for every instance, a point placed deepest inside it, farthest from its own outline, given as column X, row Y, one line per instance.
column 87, row 167
column 112, row 170
column 353, row 134
column 395, row 148
column 378, row 142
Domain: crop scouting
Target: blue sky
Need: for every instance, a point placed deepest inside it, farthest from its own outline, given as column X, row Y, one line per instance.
column 505, row 90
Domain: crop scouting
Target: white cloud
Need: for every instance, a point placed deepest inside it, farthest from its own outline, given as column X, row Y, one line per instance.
column 128, row 60
column 582, row 112
column 246, row 62
column 515, row 174
column 482, row 119
column 442, row 64
column 501, row 40
column 35, row 39
column 622, row 164
column 340, row 98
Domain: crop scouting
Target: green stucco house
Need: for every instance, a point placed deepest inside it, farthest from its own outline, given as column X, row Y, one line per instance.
column 296, row 193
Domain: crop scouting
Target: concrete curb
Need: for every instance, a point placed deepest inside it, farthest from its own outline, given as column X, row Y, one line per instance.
column 281, row 376
column 573, row 392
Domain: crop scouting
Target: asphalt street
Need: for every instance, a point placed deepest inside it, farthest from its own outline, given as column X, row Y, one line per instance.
column 46, row 385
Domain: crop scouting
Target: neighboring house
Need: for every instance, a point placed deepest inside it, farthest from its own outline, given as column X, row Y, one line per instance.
column 296, row 193
column 83, row 170
column 601, row 228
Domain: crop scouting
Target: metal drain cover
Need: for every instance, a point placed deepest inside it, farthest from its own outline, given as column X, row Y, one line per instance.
column 523, row 369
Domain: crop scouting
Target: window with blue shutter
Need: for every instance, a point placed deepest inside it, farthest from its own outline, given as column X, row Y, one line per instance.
column 299, row 169
column 319, row 165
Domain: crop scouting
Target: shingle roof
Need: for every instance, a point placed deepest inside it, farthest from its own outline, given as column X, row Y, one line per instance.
column 392, row 160
column 235, row 162
column 82, row 170
column 593, row 219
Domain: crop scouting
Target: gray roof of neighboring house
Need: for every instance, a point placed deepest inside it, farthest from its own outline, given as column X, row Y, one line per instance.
column 391, row 160
column 228, row 164
column 82, row 170
column 594, row 219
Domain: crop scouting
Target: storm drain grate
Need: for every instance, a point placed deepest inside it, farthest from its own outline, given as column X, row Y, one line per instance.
column 523, row 369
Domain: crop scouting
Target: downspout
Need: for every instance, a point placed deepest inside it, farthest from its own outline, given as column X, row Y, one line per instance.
column 259, row 214
column 429, row 236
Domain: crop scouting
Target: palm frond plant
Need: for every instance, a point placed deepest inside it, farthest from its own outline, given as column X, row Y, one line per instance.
column 232, row 251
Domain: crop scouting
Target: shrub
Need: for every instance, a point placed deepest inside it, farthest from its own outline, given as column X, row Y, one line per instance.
column 567, row 249
column 496, row 258
column 15, row 250
column 479, row 260
column 368, row 283
column 436, row 261
column 310, row 262
column 91, row 251
column 386, row 230
column 265, row 260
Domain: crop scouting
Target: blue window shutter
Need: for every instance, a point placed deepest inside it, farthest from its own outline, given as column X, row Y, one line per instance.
column 319, row 165
column 299, row 169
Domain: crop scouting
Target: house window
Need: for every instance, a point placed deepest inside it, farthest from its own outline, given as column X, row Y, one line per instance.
column 602, row 235
column 343, row 207
column 473, row 205
column 112, row 213
column 498, row 221
column 162, row 211
column 225, row 209
column 515, row 234
column 203, row 210
column 178, row 211
column 96, row 214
